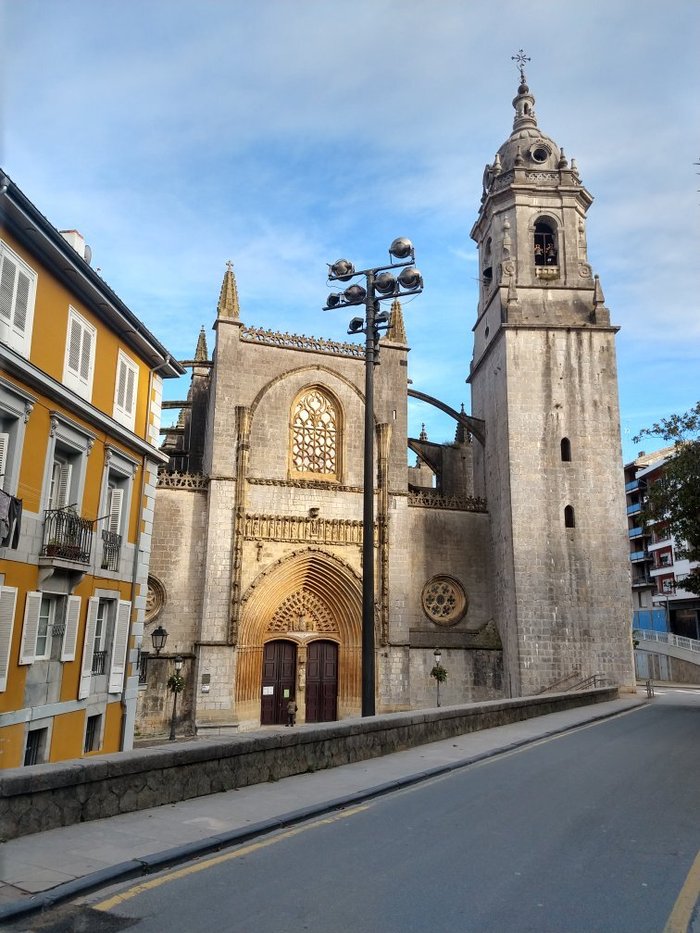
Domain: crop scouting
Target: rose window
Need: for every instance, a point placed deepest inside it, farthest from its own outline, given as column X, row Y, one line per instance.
column 444, row 600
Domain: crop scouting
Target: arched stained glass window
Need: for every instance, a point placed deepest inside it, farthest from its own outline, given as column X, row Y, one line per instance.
column 315, row 435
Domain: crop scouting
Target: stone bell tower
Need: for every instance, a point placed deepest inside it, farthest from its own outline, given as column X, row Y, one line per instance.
column 544, row 379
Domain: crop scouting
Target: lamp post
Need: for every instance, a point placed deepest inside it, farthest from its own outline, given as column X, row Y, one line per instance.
column 159, row 636
column 176, row 683
column 437, row 654
column 379, row 284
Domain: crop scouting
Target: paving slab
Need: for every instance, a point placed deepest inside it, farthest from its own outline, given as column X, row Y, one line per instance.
column 101, row 851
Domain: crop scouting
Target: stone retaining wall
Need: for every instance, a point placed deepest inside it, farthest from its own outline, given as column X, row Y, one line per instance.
column 43, row 797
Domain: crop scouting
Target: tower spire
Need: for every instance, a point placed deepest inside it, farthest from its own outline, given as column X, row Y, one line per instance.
column 228, row 299
column 524, row 102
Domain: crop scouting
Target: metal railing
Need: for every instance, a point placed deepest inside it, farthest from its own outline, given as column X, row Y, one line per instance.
column 111, row 546
column 668, row 638
column 143, row 668
column 98, row 662
column 67, row 536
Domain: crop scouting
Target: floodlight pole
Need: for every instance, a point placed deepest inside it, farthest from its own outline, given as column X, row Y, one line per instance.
column 368, row 672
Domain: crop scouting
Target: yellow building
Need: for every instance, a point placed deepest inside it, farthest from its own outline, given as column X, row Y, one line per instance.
column 80, row 401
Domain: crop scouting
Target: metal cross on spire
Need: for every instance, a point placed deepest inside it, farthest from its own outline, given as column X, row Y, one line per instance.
column 520, row 58
column 229, row 265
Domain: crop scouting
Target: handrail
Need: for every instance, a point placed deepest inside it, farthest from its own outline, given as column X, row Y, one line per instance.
column 668, row 638
column 558, row 683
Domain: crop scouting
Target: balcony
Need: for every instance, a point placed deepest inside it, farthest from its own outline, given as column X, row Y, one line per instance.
column 111, row 546
column 639, row 555
column 634, row 509
column 67, row 536
column 642, row 580
column 636, row 532
column 632, row 485
column 98, row 662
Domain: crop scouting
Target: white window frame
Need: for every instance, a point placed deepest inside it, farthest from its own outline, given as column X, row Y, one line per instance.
column 126, row 391
column 79, row 362
column 17, row 299
column 118, row 645
column 68, row 443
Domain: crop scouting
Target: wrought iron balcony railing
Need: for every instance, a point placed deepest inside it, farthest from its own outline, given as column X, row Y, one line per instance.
column 98, row 662
column 67, row 536
column 111, row 546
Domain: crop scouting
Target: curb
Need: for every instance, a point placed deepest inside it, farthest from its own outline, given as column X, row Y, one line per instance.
column 168, row 858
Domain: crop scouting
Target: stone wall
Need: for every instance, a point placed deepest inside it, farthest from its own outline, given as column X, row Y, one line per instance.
column 43, row 797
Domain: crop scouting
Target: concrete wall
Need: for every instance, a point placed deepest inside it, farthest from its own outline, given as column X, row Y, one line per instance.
column 46, row 796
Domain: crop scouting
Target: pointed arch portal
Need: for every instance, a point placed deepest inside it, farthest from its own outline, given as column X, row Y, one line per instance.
column 308, row 597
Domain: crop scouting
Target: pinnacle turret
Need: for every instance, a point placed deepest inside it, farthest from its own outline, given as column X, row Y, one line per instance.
column 228, row 299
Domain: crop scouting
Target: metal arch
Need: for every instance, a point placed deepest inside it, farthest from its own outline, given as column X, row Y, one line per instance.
column 475, row 425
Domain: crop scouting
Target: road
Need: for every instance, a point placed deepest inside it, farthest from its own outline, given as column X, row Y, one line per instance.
column 595, row 830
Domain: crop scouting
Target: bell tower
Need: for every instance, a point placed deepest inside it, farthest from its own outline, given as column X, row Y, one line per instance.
column 544, row 379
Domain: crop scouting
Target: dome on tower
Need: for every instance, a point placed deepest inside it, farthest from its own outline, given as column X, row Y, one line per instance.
column 527, row 146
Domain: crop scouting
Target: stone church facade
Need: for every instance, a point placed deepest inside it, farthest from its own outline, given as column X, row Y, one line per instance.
column 506, row 548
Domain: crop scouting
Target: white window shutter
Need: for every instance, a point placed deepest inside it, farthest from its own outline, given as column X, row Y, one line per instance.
column 130, row 386
column 70, row 635
column 74, row 344
column 21, row 304
column 88, row 646
column 7, row 288
column 30, row 628
column 8, row 601
column 63, row 491
column 119, row 645
column 121, row 383
column 86, row 356
column 116, row 498
column 4, row 451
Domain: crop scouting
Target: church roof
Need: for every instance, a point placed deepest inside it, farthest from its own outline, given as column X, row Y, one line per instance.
column 228, row 299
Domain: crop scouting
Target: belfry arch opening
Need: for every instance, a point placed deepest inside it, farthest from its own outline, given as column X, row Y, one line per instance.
column 545, row 244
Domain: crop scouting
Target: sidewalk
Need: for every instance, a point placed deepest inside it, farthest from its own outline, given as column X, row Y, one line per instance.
column 62, row 864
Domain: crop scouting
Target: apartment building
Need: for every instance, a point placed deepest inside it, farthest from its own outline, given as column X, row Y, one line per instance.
column 80, row 401
column 657, row 572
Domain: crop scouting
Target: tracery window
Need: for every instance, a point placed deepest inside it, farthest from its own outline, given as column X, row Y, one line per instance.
column 315, row 435
column 544, row 247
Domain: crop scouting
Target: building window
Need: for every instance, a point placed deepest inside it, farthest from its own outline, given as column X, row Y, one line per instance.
column 17, row 293
column 79, row 365
column 93, row 728
column 15, row 409
column 545, row 246
column 565, row 450
column 125, row 391
column 103, row 630
column 106, row 630
column 8, row 603
column 35, row 749
column 569, row 517
column 487, row 274
column 315, row 435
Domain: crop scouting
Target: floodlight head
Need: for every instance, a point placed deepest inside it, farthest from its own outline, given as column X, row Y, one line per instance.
column 355, row 294
column 381, row 318
column 385, row 283
column 411, row 279
column 342, row 269
column 356, row 325
column 333, row 300
column 401, row 248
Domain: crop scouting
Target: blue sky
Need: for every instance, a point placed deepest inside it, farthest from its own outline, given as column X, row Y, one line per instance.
column 283, row 134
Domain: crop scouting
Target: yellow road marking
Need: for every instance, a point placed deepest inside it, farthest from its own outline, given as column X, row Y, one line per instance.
column 679, row 920
column 127, row 895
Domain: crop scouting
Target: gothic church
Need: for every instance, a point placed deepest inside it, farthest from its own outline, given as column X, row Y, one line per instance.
column 506, row 548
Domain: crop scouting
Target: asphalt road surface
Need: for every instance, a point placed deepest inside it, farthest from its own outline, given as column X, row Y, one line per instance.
column 596, row 830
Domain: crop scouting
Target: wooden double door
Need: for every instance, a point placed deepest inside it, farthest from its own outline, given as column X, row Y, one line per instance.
column 279, row 681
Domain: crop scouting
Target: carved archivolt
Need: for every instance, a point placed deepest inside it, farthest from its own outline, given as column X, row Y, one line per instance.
column 293, row 528
column 303, row 611
column 444, row 600
column 155, row 598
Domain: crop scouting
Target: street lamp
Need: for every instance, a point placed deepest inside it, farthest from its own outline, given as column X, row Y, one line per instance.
column 437, row 654
column 380, row 284
column 176, row 683
column 159, row 636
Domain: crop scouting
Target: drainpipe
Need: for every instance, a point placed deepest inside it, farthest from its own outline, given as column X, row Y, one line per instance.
column 128, row 704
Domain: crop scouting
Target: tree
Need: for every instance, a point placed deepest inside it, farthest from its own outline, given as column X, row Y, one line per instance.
column 675, row 497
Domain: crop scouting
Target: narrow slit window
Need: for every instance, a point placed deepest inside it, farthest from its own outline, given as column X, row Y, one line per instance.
column 569, row 517
column 566, row 450
column 545, row 247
